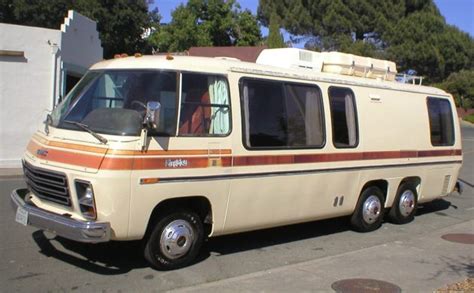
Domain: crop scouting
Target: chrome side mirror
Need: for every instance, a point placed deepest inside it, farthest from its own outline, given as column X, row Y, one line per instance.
column 152, row 117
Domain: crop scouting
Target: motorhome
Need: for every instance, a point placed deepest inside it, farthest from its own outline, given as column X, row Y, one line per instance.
column 176, row 149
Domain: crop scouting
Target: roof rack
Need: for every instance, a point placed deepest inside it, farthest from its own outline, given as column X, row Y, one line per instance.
column 329, row 62
column 407, row 78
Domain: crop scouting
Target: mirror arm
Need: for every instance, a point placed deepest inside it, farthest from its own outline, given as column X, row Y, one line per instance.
column 144, row 139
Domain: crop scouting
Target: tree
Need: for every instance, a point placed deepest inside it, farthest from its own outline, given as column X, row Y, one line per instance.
column 121, row 23
column 331, row 22
column 424, row 42
column 461, row 86
column 275, row 39
column 411, row 32
column 207, row 23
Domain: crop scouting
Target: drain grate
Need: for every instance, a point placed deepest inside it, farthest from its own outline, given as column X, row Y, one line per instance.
column 464, row 238
column 364, row 285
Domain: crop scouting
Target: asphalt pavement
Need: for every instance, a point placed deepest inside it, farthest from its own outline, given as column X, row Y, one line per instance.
column 317, row 256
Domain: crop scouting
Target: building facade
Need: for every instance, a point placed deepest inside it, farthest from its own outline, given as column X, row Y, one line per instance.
column 38, row 66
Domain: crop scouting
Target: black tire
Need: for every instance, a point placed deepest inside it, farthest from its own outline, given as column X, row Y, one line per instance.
column 371, row 201
column 186, row 229
column 404, row 206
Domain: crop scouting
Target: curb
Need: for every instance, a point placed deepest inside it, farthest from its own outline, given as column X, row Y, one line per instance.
column 7, row 173
column 466, row 124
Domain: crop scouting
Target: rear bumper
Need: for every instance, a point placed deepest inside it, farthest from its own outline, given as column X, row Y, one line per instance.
column 82, row 231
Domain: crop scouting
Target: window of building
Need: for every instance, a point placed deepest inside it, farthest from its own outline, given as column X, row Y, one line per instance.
column 205, row 105
column 281, row 115
column 441, row 122
column 343, row 117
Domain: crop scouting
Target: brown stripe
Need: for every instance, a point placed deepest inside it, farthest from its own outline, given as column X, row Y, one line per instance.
column 170, row 152
column 102, row 150
column 65, row 157
column 70, row 146
column 338, row 157
column 144, row 162
column 439, row 153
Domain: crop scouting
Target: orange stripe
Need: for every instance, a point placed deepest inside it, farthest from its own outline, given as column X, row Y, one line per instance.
column 102, row 150
column 70, row 146
column 146, row 163
column 65, row 157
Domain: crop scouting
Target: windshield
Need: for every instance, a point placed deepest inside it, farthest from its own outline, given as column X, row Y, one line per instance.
column 114, row 101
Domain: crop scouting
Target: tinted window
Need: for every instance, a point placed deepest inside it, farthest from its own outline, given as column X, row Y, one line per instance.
column 343, row 117
column 205, row 107
column 284, row 115
column 441, row 122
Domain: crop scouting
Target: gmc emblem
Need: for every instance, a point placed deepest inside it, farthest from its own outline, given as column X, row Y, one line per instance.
column 42, row 152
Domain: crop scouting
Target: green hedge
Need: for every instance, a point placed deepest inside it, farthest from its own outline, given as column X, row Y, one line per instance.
column 469, row 118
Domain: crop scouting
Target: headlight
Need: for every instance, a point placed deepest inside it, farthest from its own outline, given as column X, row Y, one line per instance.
column 85, row 197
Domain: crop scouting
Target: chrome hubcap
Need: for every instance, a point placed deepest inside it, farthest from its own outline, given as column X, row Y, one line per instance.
column 176, row 239
column 406, row 203
column 372, row 209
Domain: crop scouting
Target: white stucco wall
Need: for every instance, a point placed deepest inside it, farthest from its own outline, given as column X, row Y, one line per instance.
column 30, row 85
column 80, row 43
column 25, row 87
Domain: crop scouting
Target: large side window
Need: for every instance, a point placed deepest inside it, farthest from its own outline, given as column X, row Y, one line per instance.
column 343, row 117
column 281, row 115
column 205, row 105
column 441, row 122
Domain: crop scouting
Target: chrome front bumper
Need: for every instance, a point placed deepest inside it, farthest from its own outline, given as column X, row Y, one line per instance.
column 90, row 232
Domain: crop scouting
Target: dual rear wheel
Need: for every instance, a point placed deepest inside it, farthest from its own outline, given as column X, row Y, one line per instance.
column 369, row 212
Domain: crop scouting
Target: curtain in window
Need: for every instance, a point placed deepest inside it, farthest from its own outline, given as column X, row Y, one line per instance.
column 219, row 115
column 312, row 119
column 246, row 114
column 350, row 119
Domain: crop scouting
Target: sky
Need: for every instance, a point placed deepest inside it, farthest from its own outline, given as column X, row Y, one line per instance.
column 456, row 12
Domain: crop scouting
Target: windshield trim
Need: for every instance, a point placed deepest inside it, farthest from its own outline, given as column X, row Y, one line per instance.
column 79, row 94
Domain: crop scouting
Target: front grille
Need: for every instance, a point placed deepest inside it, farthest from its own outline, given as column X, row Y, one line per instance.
column 47, row 185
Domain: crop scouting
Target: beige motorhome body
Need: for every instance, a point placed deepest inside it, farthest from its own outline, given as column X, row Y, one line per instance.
column 240, row 178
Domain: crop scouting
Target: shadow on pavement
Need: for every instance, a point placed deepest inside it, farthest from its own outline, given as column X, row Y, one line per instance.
column 275, row 236
column 111, row 258
column 436, row 207
column 115, row 258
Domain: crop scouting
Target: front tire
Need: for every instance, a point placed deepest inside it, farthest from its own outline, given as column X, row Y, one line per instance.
column 405, row 204
column 368, row 215
column 175, row 241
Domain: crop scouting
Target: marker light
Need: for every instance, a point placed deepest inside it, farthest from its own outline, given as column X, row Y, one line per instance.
column 85, row 196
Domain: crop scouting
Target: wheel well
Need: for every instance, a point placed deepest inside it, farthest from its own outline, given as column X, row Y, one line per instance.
column 198, row 204
column 382, row 184
column 416, row 181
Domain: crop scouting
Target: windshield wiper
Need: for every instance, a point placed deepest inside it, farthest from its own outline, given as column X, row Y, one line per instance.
column 86, row 128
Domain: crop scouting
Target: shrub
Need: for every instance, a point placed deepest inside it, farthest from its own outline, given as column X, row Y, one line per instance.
column 469, row 118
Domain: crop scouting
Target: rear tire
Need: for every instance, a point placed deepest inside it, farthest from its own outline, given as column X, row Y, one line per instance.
column 405, row 204
column 368, row 215
column 175, row 241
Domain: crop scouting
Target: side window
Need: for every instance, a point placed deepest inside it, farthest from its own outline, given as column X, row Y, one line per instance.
column 343, row 117
column 205, row 105
column 281, row 115
column 441, row 122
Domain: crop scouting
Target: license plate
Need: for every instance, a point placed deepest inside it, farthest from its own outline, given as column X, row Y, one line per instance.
column 21, row 216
